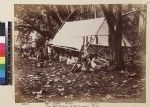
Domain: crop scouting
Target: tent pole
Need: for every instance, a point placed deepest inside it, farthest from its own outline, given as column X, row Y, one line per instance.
column 95, row 35
column 67, row 18
column 95, row 12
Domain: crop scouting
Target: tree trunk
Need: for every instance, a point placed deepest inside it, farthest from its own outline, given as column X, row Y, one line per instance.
column 118, row 37
column 110, row 20
column 115, row 32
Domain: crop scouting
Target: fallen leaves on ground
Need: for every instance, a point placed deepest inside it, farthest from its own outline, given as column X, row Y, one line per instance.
column 53, row 82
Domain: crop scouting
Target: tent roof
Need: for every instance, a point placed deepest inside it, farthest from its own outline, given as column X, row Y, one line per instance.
column 70, row 35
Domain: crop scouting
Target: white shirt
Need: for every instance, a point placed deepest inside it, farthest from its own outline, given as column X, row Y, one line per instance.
column 70, row 61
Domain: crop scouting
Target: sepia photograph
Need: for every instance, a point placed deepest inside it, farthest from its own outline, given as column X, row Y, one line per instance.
column 80, row 53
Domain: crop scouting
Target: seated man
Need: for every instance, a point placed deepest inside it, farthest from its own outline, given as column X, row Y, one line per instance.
column 24, row 50
column 50, row 51
column 62, row 58
column 40, row 57
column 71, row 60
column 98, row 63
column 55, row 57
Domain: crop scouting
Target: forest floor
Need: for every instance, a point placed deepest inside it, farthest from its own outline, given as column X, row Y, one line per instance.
column 56, row 83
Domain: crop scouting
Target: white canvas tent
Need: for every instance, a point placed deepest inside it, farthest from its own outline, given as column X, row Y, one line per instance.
column 77, row 33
